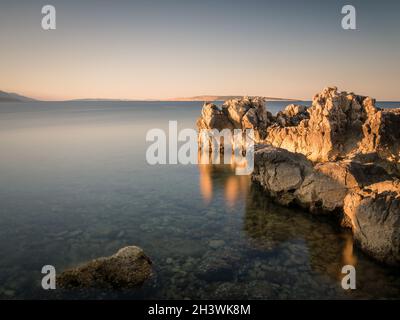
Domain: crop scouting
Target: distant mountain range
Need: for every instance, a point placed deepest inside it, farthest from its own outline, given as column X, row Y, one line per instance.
column 14, row 97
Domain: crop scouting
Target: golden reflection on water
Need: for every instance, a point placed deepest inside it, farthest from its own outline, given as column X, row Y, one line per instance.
column 217, row 179
column 348, row 256
column 235, row 187
column 206, row 185
column 222, row 177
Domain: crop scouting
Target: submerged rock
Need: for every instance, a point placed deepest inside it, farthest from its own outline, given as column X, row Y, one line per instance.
column 128, row 268
column 218, row 266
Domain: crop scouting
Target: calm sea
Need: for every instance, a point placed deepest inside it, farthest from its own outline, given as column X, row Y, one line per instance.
column 75, row 185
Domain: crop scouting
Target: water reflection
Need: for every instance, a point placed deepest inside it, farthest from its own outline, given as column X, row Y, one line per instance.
column 291, row 240
column 66, row 200
column 222, row 176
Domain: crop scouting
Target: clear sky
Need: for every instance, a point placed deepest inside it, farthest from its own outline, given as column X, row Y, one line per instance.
column 171, row 48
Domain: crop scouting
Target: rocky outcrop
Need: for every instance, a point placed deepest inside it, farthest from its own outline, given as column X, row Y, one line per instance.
column 245, row 113
column 128, row 268
column 331, row 131
column 337, row 125
column 364, row 196
column 339, row 156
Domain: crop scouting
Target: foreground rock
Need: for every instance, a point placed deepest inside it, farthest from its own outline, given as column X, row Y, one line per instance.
column 374, row 215
column 128, row 268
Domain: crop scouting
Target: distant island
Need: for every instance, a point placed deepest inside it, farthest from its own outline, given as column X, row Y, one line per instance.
column 14, row 97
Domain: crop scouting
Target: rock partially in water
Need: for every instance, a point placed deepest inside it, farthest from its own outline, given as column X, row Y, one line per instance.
column 369, row 197
column 291, row 178
column 341, row 147
column 337, row 125
column 245, row 113
column 128, row 268
column 374, row 216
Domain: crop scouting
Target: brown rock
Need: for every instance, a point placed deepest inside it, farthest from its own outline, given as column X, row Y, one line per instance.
column 127, row 269
column 292, row 178
column 382, row 135
column 374, row 216
column 331, row 128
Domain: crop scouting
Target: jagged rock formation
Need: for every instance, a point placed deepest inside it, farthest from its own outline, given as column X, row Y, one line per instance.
column 382, row 137
column 245, row 113
column 292, row 115
column 331, row 131
column 337, row 125
column 340, row 155
column 128, row 268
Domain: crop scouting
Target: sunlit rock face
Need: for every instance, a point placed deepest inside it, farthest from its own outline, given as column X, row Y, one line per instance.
column 332, row 129
column 339, row 156
column 292, row 115
column 337, row 125
column 382, row 137
column 242, row 114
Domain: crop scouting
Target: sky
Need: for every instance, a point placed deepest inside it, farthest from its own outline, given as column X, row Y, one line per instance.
column 180, row 48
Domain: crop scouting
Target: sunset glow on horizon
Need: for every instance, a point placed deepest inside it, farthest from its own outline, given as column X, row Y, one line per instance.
column 165, row 49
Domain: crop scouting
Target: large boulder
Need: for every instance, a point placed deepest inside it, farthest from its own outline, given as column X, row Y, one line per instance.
column 374, row 215
column 128, row 268
column 292, row 178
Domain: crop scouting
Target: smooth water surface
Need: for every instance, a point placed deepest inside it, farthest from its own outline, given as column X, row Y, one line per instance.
column 75, row 185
